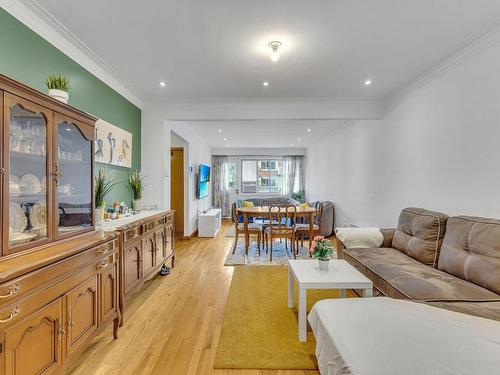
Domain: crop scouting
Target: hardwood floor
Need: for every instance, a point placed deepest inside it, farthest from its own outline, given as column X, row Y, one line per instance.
column 173, row 324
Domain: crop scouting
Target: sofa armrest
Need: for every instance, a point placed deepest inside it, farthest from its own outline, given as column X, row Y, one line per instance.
column 387, row 242
column 340, row 248
column 388, row 236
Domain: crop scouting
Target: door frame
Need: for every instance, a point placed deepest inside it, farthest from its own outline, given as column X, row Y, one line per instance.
column 184, row 187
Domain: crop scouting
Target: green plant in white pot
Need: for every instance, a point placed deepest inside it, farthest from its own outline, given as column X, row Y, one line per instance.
column 322, row 250
column 58, row 87
column 136, row 184
column 103, row 186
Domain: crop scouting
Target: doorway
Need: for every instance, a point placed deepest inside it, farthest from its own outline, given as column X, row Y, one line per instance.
column 177, row 188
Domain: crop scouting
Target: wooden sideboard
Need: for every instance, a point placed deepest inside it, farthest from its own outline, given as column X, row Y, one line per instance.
column 49, row 312
column 146, row 244
column 58, row 276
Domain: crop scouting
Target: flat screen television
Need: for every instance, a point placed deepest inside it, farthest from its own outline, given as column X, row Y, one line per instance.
column 202, row 189
column 204, row 173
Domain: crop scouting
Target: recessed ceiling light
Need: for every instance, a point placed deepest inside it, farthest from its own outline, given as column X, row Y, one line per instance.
column 368, row 82
column 265, row 83
column 298, row 139
column 291, row 144
column 225, row 139
column 309, row 130
column 275, row 55
column 220, row 130
column 162, row 84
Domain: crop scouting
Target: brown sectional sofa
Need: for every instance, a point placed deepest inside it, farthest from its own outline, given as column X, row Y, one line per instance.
column 448, row 262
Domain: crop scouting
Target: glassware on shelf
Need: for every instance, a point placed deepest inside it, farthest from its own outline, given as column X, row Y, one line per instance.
column 27, row 165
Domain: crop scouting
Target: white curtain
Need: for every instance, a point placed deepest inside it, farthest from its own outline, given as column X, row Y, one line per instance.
column 293, row 174
column 220, row 196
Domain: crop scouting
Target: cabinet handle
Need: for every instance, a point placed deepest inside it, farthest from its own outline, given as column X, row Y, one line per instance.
column 60, row 331
column 13, row 313
column 13, row 289
column 101, row 250
column 57, row 173
column 2, row 171
column 102, row 263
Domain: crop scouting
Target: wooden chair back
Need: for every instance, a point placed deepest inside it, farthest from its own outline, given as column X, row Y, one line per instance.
column 319, row 213
column 283, row 218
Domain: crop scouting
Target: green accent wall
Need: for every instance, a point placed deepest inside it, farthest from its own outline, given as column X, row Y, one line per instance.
column 28, row 58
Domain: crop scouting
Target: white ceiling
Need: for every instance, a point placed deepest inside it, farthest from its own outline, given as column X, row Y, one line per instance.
column 217, row 49
column 264, row 133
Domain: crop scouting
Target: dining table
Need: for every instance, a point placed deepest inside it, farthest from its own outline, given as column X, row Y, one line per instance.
column 263, row 212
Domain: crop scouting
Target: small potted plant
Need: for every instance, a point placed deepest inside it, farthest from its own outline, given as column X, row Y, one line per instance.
column 136, row 184
column 58, row 87
column 322, row 249
column 103, row 186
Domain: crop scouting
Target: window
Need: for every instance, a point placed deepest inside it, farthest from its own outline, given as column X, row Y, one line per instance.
column 231, row 176
column 261, row 176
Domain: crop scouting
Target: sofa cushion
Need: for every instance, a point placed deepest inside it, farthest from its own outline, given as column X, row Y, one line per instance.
column 419, row 234
column 471, row 250
column 489, row 310
column 399, row 276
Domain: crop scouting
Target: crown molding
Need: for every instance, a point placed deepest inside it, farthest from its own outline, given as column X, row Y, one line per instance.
column 468, row 49
column 35, row 17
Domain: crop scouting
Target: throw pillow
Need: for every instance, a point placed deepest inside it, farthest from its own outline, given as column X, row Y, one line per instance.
column 248, row 204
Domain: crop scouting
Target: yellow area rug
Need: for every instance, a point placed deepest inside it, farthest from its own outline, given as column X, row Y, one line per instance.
column 259, row 330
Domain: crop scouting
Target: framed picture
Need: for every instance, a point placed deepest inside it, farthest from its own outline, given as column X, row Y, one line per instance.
column 113, row 145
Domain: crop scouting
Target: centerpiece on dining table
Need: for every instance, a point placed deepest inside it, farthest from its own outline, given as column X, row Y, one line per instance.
column 321, row 249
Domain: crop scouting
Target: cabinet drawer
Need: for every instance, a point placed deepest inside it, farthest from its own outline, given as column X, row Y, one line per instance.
column 148, row 227
column 132, row 233
column 23, row 307
column 25, row 284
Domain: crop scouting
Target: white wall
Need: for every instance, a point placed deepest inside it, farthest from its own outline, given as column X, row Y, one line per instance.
column 155, row 152
column 438, row 147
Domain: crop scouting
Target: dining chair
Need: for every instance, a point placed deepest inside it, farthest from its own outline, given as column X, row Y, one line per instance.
column 282, row 225
column 263, row 220
column 303, row 228
column 239, row 228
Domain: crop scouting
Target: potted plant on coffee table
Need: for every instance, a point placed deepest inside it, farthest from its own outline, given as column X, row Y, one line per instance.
column 322, row 249
column 103, row 186
column 58, row 87
column 136, row 184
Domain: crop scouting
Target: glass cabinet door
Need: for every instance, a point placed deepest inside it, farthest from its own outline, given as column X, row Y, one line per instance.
column 73, row 177
column 26, row 166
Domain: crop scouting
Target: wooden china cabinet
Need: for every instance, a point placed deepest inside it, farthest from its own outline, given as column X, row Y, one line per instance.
column 58, row 276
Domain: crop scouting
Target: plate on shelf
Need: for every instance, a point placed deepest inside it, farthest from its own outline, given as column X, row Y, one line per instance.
column 30, row 184
column 17, row 218
column 14, row 186
column 38, row 215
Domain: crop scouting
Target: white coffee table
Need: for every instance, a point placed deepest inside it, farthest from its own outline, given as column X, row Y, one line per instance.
column 340, row 275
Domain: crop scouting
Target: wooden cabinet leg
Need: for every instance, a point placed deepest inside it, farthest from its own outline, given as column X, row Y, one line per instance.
column 116, row 324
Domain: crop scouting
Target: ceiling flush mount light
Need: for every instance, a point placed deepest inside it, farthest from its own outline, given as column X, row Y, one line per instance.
column 162, row 84
column 368, row 82
column 265, row 83
column 275, row 55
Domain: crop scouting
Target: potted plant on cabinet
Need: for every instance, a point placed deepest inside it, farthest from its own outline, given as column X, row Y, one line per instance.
column 322, row 249
column 103, row 186
column 136, row 184
column 58, row 87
